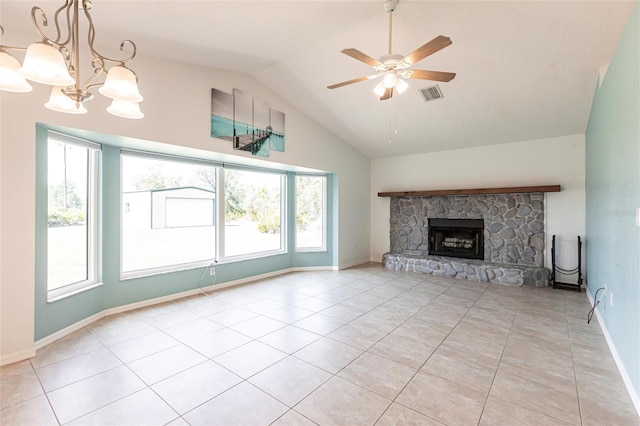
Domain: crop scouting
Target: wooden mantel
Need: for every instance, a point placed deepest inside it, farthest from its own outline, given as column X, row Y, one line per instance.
column 508, row 190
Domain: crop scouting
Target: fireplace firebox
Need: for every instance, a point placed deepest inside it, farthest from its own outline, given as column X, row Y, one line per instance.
column 457, row 238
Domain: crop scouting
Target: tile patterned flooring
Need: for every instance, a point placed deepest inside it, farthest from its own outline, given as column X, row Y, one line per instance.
column 362, row 346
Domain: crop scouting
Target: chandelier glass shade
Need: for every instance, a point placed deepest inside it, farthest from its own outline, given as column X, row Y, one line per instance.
column 121, row 84
column 125, row 109
column 44, row 64
column 60, row 102
column 55, row 61
column 10, row 79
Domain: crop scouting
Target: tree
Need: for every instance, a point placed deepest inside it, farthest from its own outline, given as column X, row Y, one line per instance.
column 234, row 197
column 206, row 178
column 308, row 200
column 265, row 209
column 156, row 178
column 64, row 196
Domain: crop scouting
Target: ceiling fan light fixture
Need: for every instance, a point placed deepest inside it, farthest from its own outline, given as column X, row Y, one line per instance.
column 389, row 80
column 379, row 89
column 393, row 68
column 401, row 86
column 406, row 73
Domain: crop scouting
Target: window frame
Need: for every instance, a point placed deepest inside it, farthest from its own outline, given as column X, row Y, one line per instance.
column 93, row 217
column 223, row 257
column 322, row 248
column 139, row 273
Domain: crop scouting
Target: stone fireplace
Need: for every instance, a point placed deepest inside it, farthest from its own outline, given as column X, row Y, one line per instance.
column 500, row 237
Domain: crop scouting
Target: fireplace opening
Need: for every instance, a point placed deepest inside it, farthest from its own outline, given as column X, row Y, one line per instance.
column 457, row 238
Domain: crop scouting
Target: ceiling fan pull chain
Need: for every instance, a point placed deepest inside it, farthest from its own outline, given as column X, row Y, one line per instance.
column 395, row 102
column 391, row 119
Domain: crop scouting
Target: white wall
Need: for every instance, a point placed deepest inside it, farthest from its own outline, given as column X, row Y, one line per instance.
column 538, row 162
column 177, row 109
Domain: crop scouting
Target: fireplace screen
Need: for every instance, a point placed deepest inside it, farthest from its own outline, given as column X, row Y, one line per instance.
column 457, row 238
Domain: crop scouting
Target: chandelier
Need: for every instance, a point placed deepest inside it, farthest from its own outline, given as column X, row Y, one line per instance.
column 56, row 62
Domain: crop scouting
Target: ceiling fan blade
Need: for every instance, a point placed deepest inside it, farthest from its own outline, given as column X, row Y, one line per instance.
column 362, row 57
column 427, row 49
column 355, row 80
column 433, row 75
column 387, row 94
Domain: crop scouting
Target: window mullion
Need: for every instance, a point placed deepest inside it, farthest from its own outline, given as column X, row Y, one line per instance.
column 220, row 214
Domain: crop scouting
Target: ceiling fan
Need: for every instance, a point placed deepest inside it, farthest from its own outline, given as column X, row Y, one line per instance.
column 394, row 68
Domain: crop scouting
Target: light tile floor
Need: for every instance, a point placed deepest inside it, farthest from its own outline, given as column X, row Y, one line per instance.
column 362, row 346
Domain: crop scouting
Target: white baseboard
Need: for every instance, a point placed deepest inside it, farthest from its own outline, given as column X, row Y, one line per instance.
column 68, row 330
column 175, row 296
column 352, row 264
column 313, row 268
column 17, row 356
column 623, row 372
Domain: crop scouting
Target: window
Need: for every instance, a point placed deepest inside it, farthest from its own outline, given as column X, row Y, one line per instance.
column 72, row 170
column 253, row 219
column 168, row 213
column 310, row 212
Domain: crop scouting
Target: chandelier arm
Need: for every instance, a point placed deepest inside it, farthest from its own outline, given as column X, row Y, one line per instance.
column 36, row 12
column 67, row 9
column 98, row 71
column 96, row 54
column 4, row 47
column 74, row 35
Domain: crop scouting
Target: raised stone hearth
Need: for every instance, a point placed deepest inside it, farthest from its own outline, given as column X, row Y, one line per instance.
column 470, row 269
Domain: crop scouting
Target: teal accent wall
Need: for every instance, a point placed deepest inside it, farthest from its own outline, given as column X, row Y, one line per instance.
column 613, row 197
column 51, row 317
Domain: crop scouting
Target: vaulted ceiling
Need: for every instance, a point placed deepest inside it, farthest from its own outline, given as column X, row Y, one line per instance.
column 525, row 69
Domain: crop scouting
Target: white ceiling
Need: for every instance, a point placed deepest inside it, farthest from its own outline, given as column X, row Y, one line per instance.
column 525, row 70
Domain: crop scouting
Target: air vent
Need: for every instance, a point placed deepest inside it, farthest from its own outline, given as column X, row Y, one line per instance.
column 431, row 93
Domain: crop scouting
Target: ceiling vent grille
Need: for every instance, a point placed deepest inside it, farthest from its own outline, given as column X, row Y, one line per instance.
column 431, row 93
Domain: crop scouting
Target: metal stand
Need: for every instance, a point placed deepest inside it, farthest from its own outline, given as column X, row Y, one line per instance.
column 556, row 269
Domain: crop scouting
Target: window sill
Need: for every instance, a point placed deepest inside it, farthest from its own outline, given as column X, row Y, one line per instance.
column 68, row 291
column 132, row 275
column 311, row 250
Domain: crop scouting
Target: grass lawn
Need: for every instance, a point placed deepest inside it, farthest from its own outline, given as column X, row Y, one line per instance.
column 150, row 248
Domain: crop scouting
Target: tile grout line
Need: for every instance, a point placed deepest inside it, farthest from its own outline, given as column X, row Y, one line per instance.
column 429, row 357
column 504, row 348
column 384, row 315
column 573, row 361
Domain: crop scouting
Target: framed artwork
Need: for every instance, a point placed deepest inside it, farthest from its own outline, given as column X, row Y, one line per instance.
column 249, row 124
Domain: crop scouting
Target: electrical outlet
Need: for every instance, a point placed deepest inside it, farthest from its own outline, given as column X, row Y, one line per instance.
column 212, row 271
column 601, row 295
column 611, row 299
